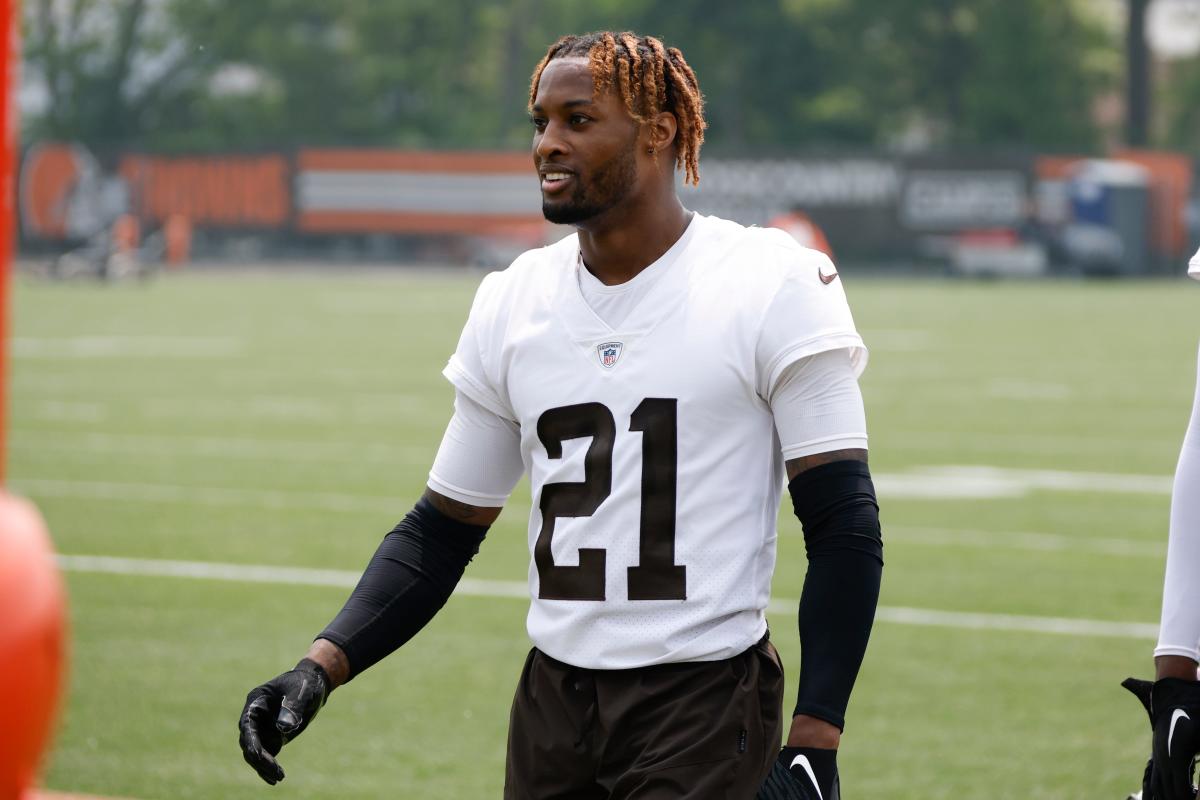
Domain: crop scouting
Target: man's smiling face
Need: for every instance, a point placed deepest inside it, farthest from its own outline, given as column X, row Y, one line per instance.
column 584, row 146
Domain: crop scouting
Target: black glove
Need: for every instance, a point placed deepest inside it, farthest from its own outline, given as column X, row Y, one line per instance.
column 802, row 773
column 1174, row 708
column 279, row 711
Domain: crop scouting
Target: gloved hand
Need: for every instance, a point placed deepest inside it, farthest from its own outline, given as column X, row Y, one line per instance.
column 1174, row 708
column 279, row 711
column 802, row 773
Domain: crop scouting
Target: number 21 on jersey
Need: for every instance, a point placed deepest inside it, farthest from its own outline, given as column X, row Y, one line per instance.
column 656, row 576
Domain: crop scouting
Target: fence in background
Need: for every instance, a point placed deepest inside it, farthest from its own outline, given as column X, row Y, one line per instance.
column 1130, row 213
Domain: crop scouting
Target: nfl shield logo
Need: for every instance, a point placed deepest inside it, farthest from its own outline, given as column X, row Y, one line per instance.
column 609, row 352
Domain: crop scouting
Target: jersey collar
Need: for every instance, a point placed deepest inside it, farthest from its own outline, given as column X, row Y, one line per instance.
column 663, row 298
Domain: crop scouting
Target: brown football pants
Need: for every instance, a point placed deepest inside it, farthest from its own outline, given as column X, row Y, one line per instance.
column 701, row 730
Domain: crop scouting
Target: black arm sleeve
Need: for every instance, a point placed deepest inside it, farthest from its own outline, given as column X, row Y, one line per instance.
column 408, row 580
column 836, row 504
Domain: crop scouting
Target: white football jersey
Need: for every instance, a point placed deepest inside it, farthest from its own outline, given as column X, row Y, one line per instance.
column 655, row 467
column 1194, row 266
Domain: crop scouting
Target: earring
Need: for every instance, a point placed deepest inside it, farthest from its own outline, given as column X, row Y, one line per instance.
column 650, row 151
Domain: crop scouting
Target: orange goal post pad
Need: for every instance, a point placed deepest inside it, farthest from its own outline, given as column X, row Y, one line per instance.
column 32, row 643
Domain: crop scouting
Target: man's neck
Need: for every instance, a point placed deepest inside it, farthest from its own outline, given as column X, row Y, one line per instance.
column 616, row 250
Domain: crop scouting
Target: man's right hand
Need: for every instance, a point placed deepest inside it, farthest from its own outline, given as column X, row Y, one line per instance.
column 279, row 711
column 1174, row 708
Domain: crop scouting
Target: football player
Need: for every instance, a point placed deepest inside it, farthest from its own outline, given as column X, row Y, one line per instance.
column 659, row 375
column 1173, row 698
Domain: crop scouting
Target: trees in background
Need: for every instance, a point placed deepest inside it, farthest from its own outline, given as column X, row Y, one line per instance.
column 104, row 70
column 1179, row 94
column 778, row 74
column 197, row 74
column 1009, row 73
column 905, row 73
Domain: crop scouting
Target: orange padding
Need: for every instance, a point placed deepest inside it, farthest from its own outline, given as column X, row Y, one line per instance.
column 32, row 642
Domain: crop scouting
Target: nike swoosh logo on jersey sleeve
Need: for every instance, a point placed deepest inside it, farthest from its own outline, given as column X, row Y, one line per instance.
column 826, row 279
column 1176, row 715
column 802, row 760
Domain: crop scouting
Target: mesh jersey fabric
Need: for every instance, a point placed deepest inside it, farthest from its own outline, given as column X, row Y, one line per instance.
column 653, row 458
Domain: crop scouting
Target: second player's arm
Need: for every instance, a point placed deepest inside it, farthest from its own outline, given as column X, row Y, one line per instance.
column 1176, row 653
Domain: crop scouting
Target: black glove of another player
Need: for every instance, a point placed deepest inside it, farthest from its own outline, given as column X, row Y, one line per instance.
column 279, row 711
column 802, row 773
column 1174, row 708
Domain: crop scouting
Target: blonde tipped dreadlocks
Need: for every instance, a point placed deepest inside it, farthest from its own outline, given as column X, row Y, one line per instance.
column 648, row 77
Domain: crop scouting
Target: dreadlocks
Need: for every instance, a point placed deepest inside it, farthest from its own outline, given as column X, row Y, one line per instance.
column 648, row 77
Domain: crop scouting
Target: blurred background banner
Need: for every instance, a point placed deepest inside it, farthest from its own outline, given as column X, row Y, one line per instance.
column 880, row 210
column 1026, row 137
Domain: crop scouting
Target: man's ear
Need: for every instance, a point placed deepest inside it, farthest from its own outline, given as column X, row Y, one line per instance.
column 662, row 131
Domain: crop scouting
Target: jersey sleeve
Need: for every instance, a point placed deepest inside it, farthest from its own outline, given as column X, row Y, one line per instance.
column 1194, row 266
column 1179, row 633
column 808, row 314
column 473, row 369
column 818, row 407
column 479, row 461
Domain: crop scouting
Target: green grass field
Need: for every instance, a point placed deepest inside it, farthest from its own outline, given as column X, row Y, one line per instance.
column 290, row 421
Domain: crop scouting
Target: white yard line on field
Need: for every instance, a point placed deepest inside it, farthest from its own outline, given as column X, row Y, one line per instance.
column 1023, row 540
column 305, row 408
column 71, row 411
column 215, row 446
column 209, row 496
column 298, row 576
column 240, row 407
column 924, row 483
column 126, row 347
column 1062, row 626
column 986, row 482
column 1055, row 444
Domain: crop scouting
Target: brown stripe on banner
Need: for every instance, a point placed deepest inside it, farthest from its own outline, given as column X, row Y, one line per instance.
column 413, row 161
column 524, row 226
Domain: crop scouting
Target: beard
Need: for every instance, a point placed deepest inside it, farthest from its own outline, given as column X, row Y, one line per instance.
column 611, row 183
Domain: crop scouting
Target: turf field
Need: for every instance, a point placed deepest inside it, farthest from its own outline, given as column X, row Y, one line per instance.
column 1023, row 436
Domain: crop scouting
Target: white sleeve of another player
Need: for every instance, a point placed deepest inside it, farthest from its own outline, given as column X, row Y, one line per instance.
column 818, row 407
column 1180, row 631
column 479, row 461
